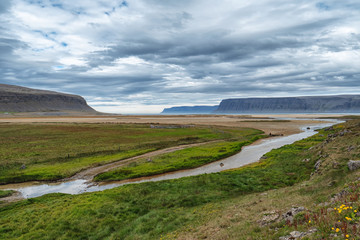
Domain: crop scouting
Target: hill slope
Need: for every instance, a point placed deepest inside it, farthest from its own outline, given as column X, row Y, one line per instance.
column 21, row 99
column 310, row 104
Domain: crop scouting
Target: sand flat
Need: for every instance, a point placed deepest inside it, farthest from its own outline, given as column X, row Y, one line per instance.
column 267, row 123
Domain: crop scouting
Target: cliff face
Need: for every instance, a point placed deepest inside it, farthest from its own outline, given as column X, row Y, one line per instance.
column 316, row 104
column 20, row 99
column 190, row 110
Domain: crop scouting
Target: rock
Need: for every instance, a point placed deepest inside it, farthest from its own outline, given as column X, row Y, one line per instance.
column 311, row 231
column 335, row 164
column 329, row 129
column 332, row 183
column 329, row 210
column 285, row 238
column 332, row 135
column 343, row 132
column 317, row 165
column 350, row 148
column 289, row 215
column 339, row 195
column 269, row 217
column 23, row 166
column 297, row 234
column 353, row 165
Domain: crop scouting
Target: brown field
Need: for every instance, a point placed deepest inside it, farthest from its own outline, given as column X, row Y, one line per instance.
column 266, row 123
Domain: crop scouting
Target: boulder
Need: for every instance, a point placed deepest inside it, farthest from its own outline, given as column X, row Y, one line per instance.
column 289, row 215
column 353, row 165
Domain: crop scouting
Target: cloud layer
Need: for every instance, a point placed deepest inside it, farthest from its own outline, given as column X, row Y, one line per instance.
column 142, row 55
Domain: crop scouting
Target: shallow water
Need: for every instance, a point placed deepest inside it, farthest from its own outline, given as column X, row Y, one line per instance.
column 248, row 154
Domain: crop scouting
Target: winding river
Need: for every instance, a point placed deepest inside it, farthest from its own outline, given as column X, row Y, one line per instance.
column 248, row 154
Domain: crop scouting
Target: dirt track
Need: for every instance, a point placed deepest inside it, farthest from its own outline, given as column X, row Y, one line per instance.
column 90, row 173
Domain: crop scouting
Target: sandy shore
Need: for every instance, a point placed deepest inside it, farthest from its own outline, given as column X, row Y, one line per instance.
column 267, row 123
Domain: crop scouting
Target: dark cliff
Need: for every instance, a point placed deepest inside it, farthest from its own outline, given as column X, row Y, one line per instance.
column 310, row 104
column 21, row 99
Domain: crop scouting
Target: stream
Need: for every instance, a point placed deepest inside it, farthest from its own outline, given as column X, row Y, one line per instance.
column 248, row 154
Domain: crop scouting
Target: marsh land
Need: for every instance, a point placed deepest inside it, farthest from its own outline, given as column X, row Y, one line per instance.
column 222, row 205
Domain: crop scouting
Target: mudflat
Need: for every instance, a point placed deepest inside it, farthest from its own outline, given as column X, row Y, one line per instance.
column 285, row 124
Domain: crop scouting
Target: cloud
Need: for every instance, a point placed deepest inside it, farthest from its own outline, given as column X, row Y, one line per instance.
column 161, row 53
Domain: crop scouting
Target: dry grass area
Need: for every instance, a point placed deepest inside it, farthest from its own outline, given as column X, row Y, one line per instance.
column 265, row 123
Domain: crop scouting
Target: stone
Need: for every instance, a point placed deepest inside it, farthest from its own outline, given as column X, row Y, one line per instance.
column 289, row 215
column 350, row 148
column 353, row 165
column 329, row 129
column 284, row 238
column 269, row 217
column 297, row 234
column 317, row 165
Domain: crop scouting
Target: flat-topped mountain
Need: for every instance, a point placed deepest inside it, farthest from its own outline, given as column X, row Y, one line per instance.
column 190, row 110
column 309, row 104
column 21, row 99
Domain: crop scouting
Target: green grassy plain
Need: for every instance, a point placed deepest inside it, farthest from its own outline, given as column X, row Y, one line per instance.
column 55, row 151
column 182, row 159
column 176, row 208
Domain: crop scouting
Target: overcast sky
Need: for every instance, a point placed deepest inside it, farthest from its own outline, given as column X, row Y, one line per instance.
column 139, row 56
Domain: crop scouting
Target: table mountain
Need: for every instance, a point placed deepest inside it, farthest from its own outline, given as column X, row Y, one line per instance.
column 190, row 110
column 21, row 99
column 309, row 104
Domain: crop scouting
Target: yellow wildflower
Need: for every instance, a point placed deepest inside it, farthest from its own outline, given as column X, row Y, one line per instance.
column 337, row 230
column 347, row 235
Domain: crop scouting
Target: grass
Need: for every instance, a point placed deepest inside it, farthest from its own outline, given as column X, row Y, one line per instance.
column 166, row 209
column 5, row 193
column 54, row 151
column 182, row 159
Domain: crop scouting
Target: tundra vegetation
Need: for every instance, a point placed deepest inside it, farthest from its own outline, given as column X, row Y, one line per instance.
column 225, row 205
column 182, row 159
column 55, row 151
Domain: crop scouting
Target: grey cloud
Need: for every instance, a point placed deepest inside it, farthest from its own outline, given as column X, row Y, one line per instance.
column 5, row 5
column 190, row 55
